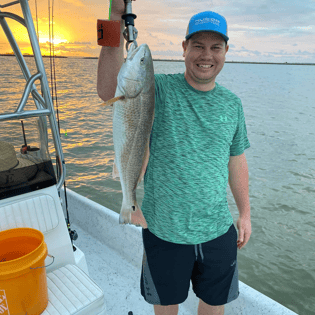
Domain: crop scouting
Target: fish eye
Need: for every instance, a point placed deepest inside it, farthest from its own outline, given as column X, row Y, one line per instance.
column 142, row 60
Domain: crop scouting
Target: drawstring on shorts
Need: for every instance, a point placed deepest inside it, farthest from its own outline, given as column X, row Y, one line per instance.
column 196, row 251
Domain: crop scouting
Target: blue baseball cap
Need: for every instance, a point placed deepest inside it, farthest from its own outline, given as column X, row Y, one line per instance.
column 207, row 21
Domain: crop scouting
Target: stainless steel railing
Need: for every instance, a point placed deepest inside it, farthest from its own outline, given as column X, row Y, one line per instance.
column 44, row 104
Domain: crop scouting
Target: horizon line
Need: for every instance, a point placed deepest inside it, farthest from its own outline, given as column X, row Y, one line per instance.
column 176, row 60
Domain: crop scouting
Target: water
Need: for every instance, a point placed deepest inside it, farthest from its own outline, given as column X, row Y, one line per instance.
column 278, row 102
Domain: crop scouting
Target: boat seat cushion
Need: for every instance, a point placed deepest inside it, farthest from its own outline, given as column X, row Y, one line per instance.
column 72, row 291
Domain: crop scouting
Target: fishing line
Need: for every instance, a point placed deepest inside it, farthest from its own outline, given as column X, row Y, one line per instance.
column 53, row 90
column 37, row 21
column 58, row 165
column 53, row 40
column 73, row 234
column 53, row 86
column 51, row 78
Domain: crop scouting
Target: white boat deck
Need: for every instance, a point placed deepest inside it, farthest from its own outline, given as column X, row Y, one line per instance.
column 102, row 277
column 118, row 278
column 114, row 257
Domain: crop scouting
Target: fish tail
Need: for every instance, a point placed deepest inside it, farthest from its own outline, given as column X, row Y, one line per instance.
column 132, row 215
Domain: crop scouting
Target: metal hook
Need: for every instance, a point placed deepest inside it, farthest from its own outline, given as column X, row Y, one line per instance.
column 128, row 44
column 130, row 33
column 127, row 36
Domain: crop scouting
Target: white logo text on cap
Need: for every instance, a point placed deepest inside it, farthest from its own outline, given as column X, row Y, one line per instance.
column 207, row 20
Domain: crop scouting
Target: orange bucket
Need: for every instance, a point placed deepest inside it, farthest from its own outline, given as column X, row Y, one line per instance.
column 23, row 282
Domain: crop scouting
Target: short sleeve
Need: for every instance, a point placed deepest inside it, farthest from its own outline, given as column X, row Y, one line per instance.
column 160, row 90
column 240, row 141
column 160, row 94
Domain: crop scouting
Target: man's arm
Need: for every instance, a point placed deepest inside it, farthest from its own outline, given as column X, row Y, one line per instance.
column 238, row 181
column 111, row 58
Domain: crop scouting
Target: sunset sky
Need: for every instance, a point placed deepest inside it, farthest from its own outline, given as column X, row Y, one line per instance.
column 269, row 30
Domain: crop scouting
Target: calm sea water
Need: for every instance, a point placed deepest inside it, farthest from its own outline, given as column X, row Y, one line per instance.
column 278, row 102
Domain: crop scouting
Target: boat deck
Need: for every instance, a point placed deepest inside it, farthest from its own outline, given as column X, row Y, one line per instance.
column 114, row 252
column 111, row 254
column 118, row 278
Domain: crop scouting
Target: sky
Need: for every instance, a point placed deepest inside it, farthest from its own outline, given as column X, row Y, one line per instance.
column 259, row 31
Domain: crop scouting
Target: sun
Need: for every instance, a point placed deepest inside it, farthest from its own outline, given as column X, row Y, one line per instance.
column 62, row 36
column 55, row 41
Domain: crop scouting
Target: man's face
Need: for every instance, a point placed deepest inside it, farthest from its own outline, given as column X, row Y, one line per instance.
column 204, row 59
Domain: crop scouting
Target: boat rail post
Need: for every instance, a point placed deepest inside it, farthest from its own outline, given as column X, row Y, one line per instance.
column 38, row 100
column 19, row 56
column 45, row 89
column 43, row 104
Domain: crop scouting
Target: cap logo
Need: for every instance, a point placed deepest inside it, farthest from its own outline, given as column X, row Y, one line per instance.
column 207, row 20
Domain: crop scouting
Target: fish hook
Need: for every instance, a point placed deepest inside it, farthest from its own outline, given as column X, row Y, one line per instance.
column 128, row 44
column 130, row 33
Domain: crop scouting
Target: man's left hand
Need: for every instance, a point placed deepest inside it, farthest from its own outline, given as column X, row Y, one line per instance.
column 244, row 231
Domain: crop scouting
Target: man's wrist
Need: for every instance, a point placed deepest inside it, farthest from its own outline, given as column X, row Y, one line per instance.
column 115, row 17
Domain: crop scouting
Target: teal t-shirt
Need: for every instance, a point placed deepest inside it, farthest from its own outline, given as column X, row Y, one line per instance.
column 193, row 136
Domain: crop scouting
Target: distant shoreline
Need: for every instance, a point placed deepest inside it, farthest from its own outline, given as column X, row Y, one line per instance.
column 176, row 60
column 10, row 55
column 245, row 62
column 252, row 62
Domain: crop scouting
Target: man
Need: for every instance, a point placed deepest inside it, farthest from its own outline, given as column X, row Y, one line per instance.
column 197, row 145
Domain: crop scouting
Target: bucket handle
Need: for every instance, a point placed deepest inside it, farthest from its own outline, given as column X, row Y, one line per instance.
column 47, row 265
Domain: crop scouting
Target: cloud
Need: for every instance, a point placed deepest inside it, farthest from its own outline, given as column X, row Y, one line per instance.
column 261, row 30
column 270, row 10
column 72, row 48
column 79, row 43
column 160, row 39
column 265, row 12
column 260, row 24
column 304, row 28
column 245, row 54
column 266, row 31
column 167, row 53
column 251, row 52
column 76, row 3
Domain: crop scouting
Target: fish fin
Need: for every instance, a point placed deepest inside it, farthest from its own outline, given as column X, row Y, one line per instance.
column 113, row 100
column 115, row 170
column 145, row 162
